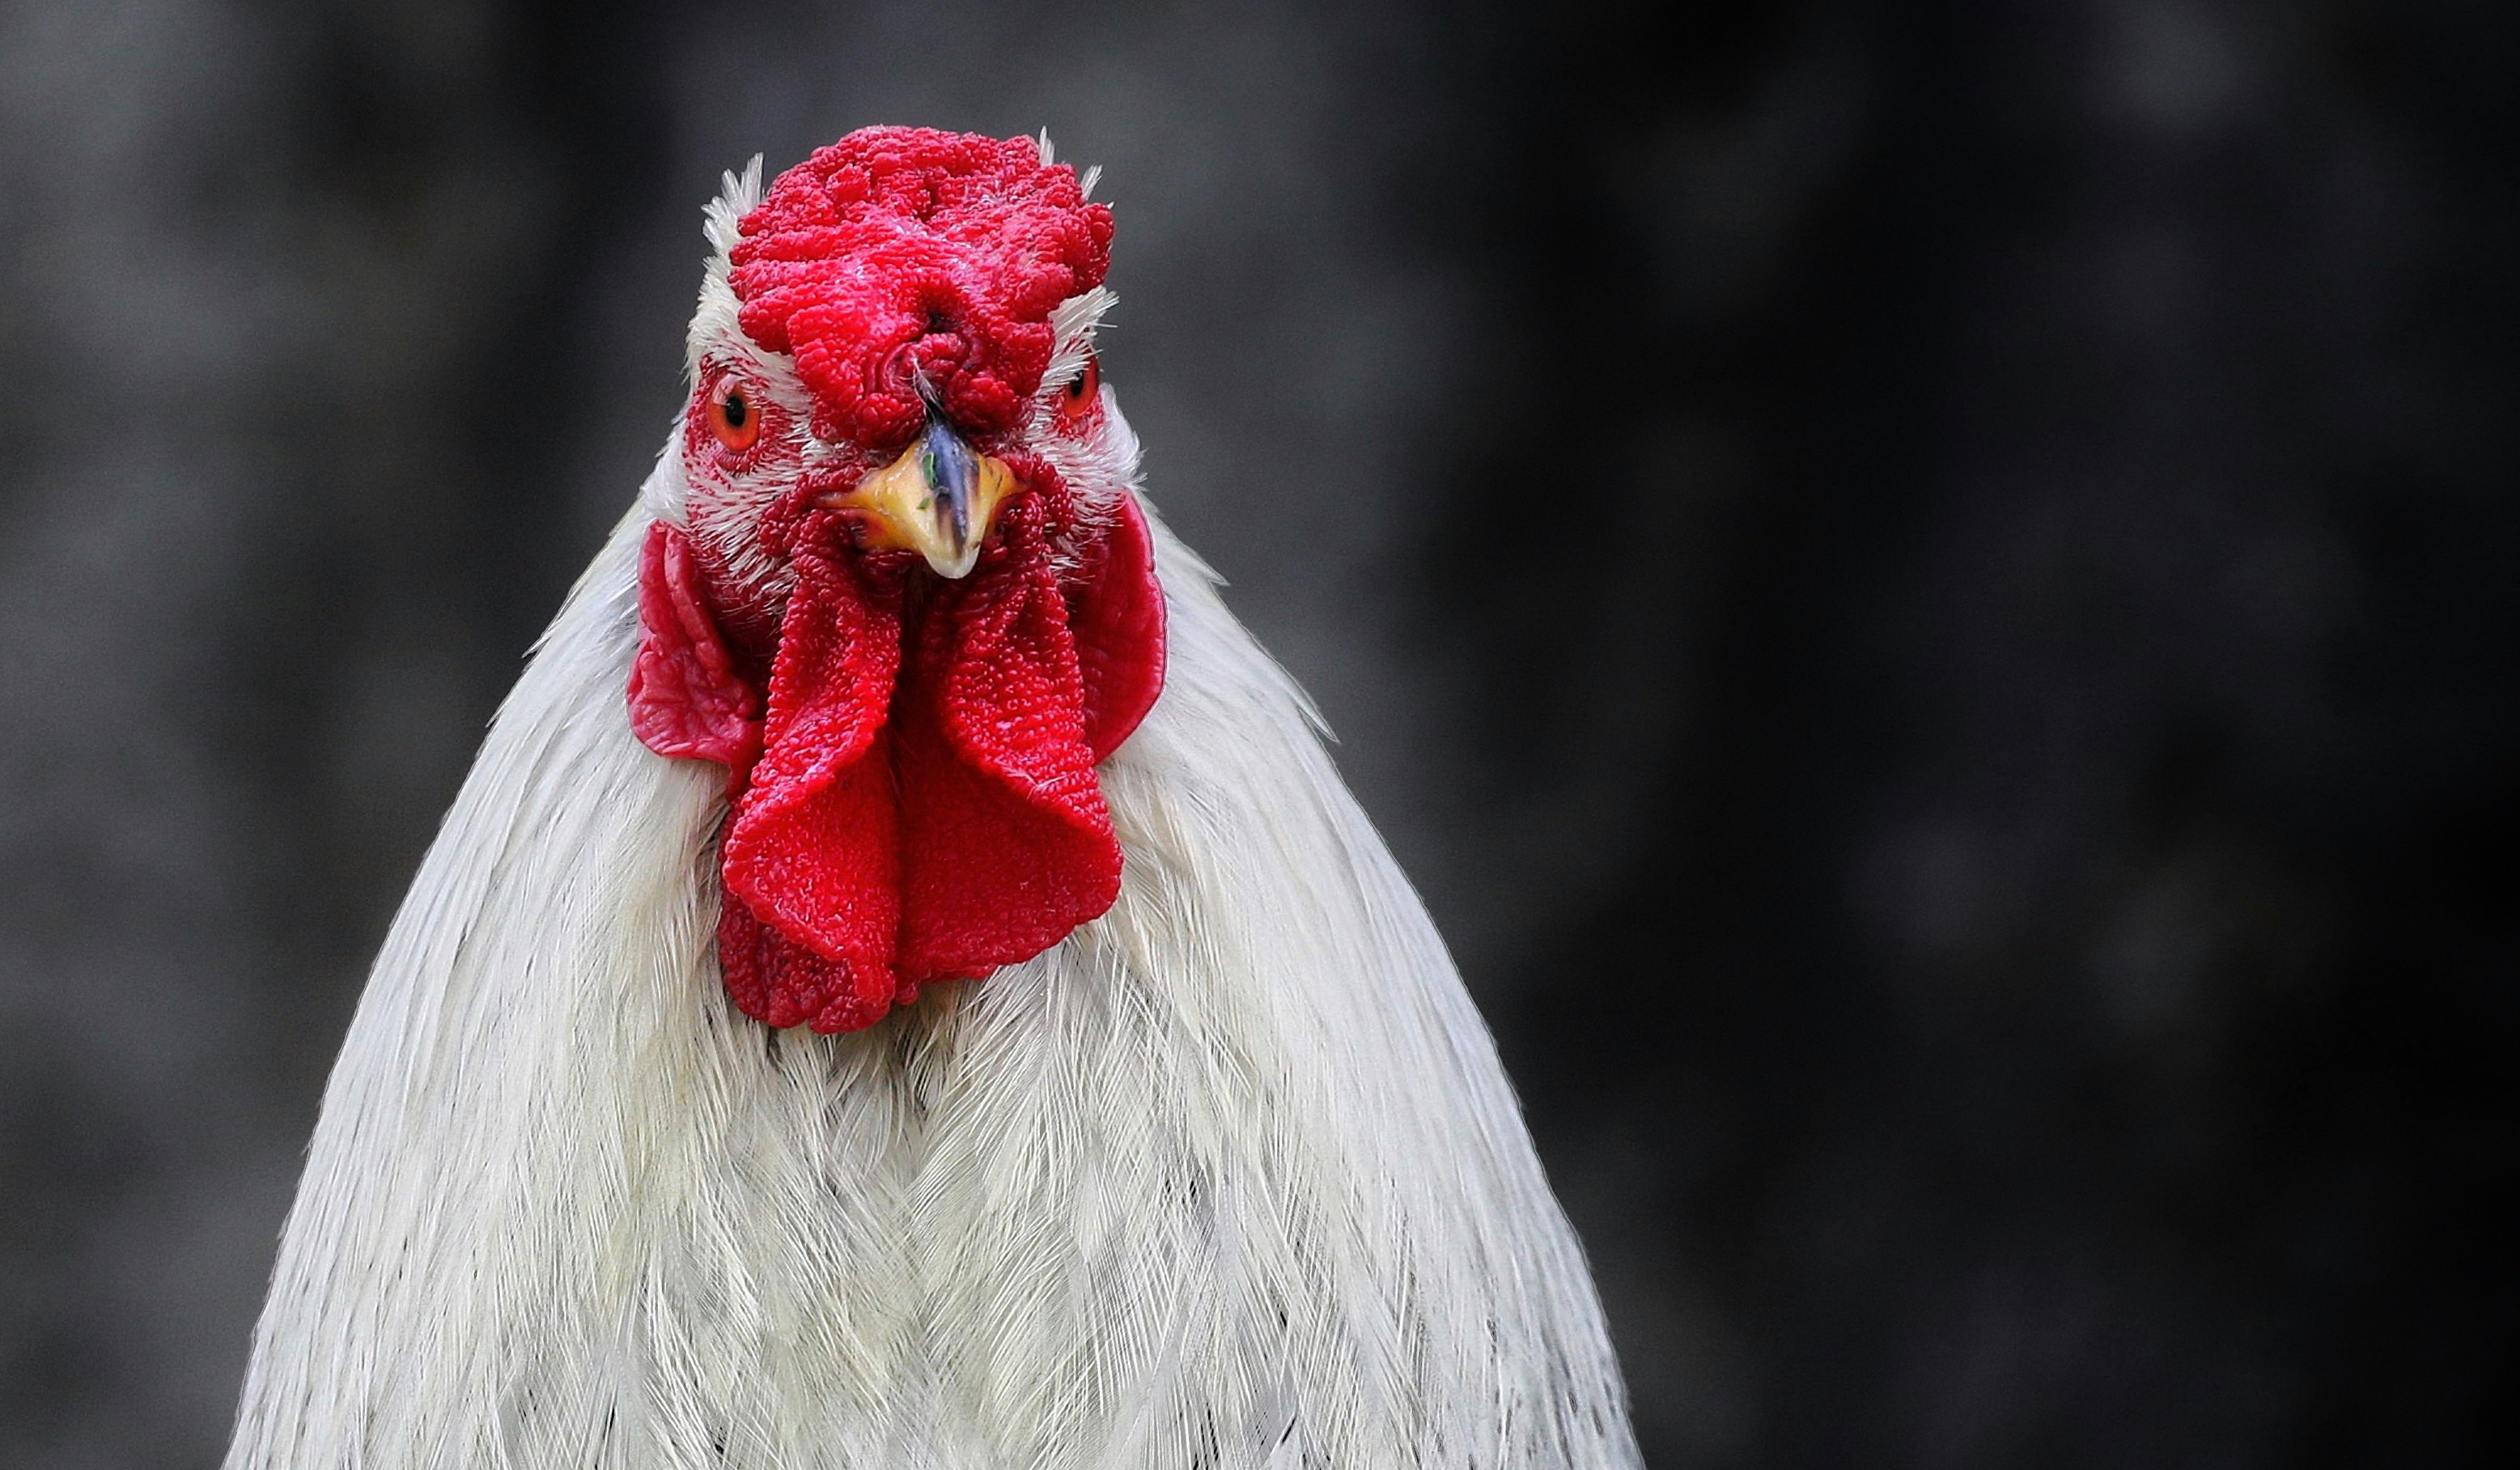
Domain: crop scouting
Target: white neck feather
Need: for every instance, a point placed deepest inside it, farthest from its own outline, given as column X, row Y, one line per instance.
column 1230, row 1179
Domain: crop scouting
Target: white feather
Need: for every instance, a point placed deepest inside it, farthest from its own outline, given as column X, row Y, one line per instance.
column 1230, row 1179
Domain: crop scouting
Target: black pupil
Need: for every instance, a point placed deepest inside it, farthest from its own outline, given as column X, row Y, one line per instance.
column 735, row 410
column 1076, row 387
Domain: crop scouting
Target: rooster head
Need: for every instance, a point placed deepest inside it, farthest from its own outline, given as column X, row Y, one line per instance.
column 909, row 601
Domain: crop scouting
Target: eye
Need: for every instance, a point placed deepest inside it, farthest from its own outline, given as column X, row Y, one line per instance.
column 1083, row 393
column 733, row 416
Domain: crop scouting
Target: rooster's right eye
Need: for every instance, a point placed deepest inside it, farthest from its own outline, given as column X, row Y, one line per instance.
column 731, row 416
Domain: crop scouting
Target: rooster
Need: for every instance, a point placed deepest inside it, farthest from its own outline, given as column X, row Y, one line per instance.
column 902, row 985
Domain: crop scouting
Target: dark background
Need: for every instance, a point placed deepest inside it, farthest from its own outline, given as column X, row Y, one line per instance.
column 1927, row 590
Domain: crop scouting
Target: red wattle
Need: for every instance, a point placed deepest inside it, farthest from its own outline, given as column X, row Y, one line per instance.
column 1008, row 844
column 896, row 825
column 813, row 850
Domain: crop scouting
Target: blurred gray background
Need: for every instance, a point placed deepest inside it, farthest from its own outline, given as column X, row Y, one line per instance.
column 1927, row 590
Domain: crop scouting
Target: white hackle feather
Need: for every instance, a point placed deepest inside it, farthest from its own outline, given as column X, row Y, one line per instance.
column 1229, row 1180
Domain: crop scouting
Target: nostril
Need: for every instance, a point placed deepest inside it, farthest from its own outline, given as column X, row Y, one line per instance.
column 939, row 323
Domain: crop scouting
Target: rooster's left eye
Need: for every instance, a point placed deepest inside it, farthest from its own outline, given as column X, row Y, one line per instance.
column 1082, row 392
column 731, row 416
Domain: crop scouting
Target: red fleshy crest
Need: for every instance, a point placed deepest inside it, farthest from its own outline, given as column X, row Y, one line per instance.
column 899, row 253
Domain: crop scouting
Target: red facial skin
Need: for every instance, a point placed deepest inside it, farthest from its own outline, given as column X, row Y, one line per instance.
column 910, row 759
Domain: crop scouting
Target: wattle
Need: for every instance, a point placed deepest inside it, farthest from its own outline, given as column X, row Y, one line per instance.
column 905, row 808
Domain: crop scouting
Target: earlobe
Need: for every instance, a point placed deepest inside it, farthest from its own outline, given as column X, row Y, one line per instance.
column 1116, row 609
column 685, row 699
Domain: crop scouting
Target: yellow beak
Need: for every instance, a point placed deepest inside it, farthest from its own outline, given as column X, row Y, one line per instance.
column 938, row 499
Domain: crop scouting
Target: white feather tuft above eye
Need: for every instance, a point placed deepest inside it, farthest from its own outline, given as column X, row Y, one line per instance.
column 738, row 195
column 1074, row 321
column 714, row 324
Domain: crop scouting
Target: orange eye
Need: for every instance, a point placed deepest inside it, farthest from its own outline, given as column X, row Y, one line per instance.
column 1083, row 393
column 733, row 416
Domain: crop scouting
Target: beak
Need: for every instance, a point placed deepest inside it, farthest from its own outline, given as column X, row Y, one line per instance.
column 938, row 499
